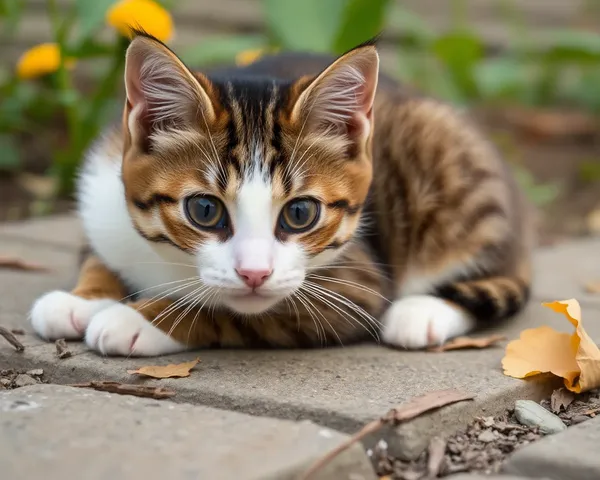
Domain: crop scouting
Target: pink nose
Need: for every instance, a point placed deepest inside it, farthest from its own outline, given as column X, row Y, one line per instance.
column 253, row 278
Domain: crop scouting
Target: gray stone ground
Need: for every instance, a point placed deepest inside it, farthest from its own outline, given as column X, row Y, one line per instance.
column 56, row 433
column 341, row 388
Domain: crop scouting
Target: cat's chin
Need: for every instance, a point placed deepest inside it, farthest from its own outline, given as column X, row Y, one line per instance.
column 250, row 304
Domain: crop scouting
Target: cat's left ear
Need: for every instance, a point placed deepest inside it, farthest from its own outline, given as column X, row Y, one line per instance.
column 341, row 98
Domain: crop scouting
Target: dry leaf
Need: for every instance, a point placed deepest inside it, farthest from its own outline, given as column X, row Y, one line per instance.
column 15, row 263
column 166, row 371
column 62, row 349
column 592, row 287
column 560, row 399
column 573, row 357
column 459, row 343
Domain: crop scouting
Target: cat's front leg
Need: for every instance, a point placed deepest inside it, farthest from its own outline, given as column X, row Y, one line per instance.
column 144, row 328
column 60, row 314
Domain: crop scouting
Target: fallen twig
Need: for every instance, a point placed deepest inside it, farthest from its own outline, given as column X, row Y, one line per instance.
column 10, row 338
column 17, row 331
column 15, row 263
column 413, row 408
column 62, row 349
column 127, row 389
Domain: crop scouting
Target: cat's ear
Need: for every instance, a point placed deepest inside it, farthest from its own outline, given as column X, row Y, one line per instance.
column 161, row 91
column 341, row 98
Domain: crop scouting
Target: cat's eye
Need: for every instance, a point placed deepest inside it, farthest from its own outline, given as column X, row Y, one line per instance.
column 299, row 215
column 206, row 212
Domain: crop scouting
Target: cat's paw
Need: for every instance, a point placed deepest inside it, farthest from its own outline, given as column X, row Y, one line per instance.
column 122, row 331
column 64, row 315
column 421, row 321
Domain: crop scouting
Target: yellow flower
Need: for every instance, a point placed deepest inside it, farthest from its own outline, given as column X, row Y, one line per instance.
column 246, row 57
column 145, row 14
column 40, row 60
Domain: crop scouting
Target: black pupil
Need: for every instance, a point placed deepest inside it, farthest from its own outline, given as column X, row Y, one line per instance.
column 206, row 210
column 300, row 213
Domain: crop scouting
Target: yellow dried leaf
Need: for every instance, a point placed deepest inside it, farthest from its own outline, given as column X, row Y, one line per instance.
column 573, row 357
column 166, row 371
column 460, row 343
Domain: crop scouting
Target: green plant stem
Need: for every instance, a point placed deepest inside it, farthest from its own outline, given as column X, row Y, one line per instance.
column 104, row 91
column 60, row 31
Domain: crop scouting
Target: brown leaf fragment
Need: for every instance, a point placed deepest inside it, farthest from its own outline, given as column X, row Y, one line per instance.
column 435, row 456
column 127, row 389
column 592, row 287
column 17, row 331
column 460, row 343
column 10, row 338
column 407, row 411
column 560, row 399
column 166, row 371
column 62, row 349
column 15, row 263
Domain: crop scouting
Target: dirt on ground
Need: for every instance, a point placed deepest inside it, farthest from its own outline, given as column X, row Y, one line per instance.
column 485, row 443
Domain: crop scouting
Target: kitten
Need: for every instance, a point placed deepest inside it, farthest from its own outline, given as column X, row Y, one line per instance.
column 296, row 202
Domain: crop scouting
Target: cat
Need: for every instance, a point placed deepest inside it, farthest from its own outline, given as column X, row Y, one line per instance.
column 299, row 201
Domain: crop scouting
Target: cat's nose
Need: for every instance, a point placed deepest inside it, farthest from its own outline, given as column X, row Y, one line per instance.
column 253, row 278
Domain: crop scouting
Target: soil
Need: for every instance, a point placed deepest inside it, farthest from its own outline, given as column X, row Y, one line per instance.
column 11, row 378
column 551, row 156
column 482, row 446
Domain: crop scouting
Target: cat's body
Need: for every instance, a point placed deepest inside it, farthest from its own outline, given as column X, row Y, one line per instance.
column 329, row 231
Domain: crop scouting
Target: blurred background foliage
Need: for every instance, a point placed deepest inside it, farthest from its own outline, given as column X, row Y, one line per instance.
column 547, row 87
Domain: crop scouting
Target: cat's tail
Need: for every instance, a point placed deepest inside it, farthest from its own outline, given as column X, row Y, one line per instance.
column 488, row 299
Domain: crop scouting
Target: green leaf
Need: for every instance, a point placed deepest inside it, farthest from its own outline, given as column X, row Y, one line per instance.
column 220, row 49
column 90, row 48
column 304, row 24
column 573, row 46
column 500, row 77
column 10, row 158
column 91, row 15
column 11, row 12
column 361, row 21
column 459, row 51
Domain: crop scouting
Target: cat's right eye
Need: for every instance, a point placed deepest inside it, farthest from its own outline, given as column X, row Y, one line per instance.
column 206, row 212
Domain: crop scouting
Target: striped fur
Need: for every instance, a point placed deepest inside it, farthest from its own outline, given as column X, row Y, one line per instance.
column 422, row 233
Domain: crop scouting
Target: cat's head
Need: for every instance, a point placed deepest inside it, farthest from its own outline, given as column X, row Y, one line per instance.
column 256, row 181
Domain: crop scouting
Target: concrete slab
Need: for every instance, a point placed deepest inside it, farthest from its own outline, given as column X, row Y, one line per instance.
column 56, row 230
column 569, row 455
column 55, row 432
column 562, row 271
column 342, row 388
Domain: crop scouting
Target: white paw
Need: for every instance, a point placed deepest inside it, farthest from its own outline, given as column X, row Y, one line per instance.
column 421, row 321
column 121, row 330
column 63, row 315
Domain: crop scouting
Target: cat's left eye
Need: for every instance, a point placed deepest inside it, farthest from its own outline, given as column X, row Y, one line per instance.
column 206, row 212
column 299, row 215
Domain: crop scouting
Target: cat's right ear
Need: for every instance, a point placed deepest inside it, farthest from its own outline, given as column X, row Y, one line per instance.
column 162, row 93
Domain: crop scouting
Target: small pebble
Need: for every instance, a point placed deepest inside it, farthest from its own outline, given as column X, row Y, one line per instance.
column 23, row 380
column 533, row 414
column 486, row 436
column 579, row 419
column 36, row 372
column 5, row 382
